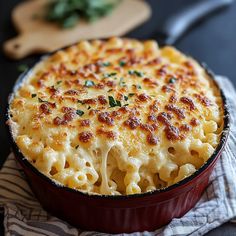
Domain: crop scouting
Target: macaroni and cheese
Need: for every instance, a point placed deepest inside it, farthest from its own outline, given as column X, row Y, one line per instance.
column 115, row 117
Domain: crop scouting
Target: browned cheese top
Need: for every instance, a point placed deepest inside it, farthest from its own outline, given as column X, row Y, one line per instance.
column 120, row 116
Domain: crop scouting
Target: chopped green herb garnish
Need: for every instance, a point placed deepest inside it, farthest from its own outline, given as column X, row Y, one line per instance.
column 138, row 86
column 118, row 103
column 79, row 112
column 135, row 72
column 122, row 63
column 109, row 90
column 89, row 83
column 76, row 147
column 59, row 82
column 131, row 94
column 41, row 100
column 113, row 102
column 106, row 63
column 172, row 80
column 33, row 95
column 126, row 98
column 109, row 74
column 122, row 83
column 126, row 105
column 89, row 107
column 22, row 67
column 79, row 101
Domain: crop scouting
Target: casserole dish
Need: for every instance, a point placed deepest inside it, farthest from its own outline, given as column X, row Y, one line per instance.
column 120, row 213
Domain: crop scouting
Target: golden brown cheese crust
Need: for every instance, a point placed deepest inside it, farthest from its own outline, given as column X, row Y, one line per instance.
column 117, row 117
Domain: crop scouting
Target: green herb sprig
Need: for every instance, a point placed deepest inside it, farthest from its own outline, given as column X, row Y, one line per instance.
column 67, row 13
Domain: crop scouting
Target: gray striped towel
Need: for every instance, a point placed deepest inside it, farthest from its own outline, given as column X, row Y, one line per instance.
column 23, row 214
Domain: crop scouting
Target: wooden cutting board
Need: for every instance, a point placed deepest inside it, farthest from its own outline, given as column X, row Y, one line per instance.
column 39, row 36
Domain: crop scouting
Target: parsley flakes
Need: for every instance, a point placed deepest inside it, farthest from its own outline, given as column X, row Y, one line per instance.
column 79, row 112
column 106, row 63
column 41, row 100
column 109, row 74
column 135, row 72
column 122, row 63
column 172, row 80
column 137, row 86
column 89, row 83
column 131, row 94
column 113, row 102
column 81, row 102
column 122, row 83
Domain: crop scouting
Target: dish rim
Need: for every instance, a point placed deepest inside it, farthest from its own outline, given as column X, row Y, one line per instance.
column 218, row 150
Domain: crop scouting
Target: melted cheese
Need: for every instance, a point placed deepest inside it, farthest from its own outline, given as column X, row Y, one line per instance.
column 117, row 117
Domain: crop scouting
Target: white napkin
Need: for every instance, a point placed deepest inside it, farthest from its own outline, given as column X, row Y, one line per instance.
column 23, row 214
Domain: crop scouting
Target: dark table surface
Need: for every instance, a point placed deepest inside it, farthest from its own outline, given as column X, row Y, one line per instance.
column 211, row 41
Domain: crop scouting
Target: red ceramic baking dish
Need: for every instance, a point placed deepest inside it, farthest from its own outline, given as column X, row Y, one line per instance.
column 125, row 213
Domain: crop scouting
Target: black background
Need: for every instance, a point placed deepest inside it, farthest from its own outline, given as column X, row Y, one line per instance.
column 212, row 41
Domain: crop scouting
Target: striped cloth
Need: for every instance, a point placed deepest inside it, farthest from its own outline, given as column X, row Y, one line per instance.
column 23, row 214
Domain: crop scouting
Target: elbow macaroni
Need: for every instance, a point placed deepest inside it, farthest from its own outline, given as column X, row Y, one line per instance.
column 117, row 117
